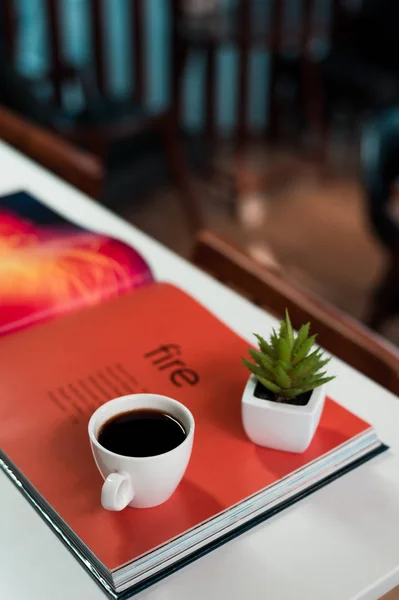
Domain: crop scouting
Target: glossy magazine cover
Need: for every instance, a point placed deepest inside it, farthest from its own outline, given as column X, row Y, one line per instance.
column 50, row 266
column 158, row 340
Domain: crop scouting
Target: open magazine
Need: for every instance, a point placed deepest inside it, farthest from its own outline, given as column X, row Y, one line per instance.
column 55, row 375
column 73, row 364
column 50, row 266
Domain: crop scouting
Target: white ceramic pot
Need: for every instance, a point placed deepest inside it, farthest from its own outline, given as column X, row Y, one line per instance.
column 277, row 425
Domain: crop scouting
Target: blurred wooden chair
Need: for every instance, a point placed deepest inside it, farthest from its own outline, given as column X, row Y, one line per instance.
column 380, row 173
column 247, row 25
column 251, row 26
column 105, row 122
column 80, row 168
column 269, row 288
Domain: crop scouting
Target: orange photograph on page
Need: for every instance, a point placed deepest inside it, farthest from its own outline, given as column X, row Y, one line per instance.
column 50, row 267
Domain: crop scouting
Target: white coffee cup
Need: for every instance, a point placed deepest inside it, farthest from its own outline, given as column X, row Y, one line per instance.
column 140, row 482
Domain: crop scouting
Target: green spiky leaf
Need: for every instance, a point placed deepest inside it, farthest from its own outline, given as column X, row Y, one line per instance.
column 283, row 332
column 264, row 346
column 312, row 379
column 298, row 370
column 302, row 336
column 310, row 364
column 303, row 349
column 255, row 369
column 282, row 379
column 273, row 387
column 263, row 360
column 284, row 352
column 319, row 382
column 286, row 364
column 273, row 341
column 290, row 333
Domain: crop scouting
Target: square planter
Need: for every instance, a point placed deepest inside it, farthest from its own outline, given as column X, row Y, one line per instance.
column 278, row 425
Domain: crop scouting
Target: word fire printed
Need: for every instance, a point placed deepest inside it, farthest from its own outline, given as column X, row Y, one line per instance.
column 164, row 358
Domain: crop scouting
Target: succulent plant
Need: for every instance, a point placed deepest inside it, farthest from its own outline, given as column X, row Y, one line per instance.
column 286, row 365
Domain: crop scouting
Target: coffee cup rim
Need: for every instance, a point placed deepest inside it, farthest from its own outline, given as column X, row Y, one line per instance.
column 92, row 421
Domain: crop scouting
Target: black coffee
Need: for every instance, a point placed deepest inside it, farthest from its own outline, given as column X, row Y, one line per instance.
column 141, row 433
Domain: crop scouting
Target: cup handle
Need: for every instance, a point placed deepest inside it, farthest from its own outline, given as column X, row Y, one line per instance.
column 117, row 491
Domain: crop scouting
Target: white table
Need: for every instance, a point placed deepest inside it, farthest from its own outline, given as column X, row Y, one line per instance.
column 341, row 542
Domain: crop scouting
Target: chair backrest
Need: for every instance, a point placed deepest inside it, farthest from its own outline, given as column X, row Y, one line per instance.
column 337, row 333
column 79, row 168
column 380, row 173
column 59, row 70
column 270, row 32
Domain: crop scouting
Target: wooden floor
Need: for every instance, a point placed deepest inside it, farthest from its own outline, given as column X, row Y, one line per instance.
column 314, row 224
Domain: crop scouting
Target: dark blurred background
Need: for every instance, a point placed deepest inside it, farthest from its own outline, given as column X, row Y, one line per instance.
column 275, row 123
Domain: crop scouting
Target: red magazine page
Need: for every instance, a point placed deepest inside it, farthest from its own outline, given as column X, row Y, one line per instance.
column 54, row 376
column 49, row 267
